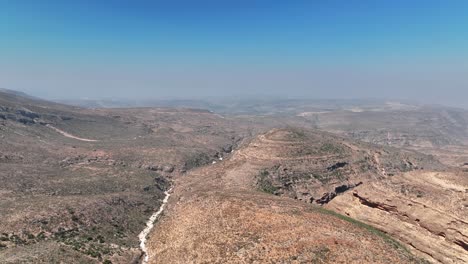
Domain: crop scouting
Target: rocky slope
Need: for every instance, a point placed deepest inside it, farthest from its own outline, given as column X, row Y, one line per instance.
column 408, row 195
column 426, row 210
column 65, row 199
column 217, row 214
column 77, row 186
column 316, row 166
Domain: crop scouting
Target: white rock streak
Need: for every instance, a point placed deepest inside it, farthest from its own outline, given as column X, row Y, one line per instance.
column 149, row 226
column 69, row 135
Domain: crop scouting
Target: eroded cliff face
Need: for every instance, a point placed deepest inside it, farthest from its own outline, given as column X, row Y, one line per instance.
column 426, row 210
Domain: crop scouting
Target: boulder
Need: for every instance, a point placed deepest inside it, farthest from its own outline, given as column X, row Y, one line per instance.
column 154, row 167
column 168, row 168
column 27, row 113
column 227, row 148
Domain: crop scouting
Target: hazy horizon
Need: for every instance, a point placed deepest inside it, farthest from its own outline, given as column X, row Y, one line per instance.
column 403, row 50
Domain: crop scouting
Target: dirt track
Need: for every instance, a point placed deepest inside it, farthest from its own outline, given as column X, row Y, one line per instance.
column 68, row 135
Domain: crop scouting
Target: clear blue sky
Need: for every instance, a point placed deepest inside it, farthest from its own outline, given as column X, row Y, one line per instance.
column 322, row 49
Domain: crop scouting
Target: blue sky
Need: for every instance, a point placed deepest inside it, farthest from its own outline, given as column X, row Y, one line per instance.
column 321, row 49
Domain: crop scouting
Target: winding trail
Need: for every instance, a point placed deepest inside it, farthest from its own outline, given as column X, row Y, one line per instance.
column 68, row 135
column 149, row 226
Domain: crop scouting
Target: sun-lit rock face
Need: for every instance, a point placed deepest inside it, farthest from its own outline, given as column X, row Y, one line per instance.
column 425, row 210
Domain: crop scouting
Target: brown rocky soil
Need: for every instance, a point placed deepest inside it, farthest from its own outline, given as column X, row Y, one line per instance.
column 86, row 201
column 82, row 192
column 217, row 214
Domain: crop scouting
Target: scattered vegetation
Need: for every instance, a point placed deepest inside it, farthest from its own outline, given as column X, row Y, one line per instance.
column 42, row 174
column 296, row 134
column 86, row 244
column 321, row 255
column 321, row 177
column 331, row 148
column 265, row 184
column 196, row 160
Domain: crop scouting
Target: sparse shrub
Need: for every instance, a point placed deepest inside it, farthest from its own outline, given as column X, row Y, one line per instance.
column 297, row 134
column 16, row 239
column 264, row 173
column 93, row 253
column 41, row 235
column 338, row 175
column 105, row 250
column 100, row 239
column 265, row 184
column 321, row 254
column 321, row 178
column 70, row 210
column 330, row 148
column 76, row 246
column 268, row 187
column 30, row 236
column 196, row 161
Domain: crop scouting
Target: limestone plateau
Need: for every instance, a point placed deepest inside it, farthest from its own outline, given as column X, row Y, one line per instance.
column 250, row 182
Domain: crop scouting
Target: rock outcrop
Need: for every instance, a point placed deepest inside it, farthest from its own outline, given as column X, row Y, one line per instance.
column 425, row 210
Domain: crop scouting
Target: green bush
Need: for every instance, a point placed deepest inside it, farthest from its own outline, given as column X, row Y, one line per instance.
column 265, row 183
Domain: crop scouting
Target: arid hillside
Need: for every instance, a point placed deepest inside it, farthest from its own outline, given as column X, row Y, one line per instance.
column 226, row 212
column 408, row 195
column 79, row 185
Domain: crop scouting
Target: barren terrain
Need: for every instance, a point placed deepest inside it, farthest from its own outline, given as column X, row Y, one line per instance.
column 254, row 182
column 218, row 215
column 409, row 196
